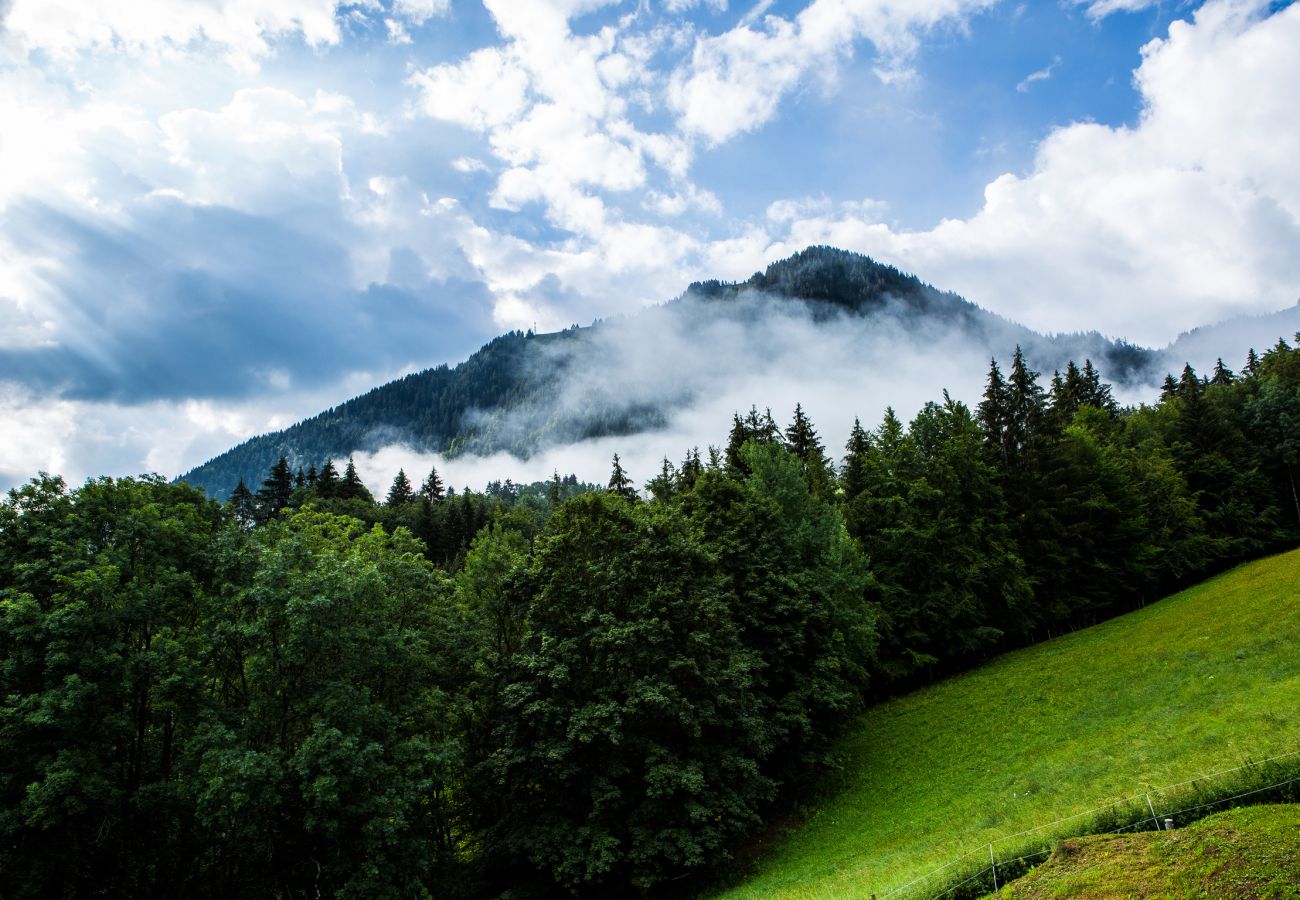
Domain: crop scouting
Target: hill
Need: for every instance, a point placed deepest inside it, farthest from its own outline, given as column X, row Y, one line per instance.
column 1193, row 684
column 1243, row 853
column 825, row 310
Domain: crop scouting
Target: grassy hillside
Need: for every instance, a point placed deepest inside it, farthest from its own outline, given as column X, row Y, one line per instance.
column 1245, row 853
column 1194, row 684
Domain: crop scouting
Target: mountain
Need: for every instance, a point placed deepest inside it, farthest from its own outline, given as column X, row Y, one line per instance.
column 823, row 322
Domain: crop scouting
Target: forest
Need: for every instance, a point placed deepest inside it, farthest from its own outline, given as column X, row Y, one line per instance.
column 564, row 688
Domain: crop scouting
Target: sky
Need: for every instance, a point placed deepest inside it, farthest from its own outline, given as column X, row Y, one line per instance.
column 220, row 216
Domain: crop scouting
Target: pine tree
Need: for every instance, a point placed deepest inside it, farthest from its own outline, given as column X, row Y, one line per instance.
column 400, row 493
column 663, row 486
column 1168, row 390
column 620, row 484
column 853, row 479
column 994, row 412
column 689, row 472
column 352, row 487
column 431, row 490
column 311, row 475
column 1095, row 392
column 243, row 505
column 555, row 491
column 327, row 480
column 1252, row 363
column 276, row 490
column 1222, row 374
column 299, row 479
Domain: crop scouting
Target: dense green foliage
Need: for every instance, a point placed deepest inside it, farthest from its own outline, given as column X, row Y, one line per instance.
column 553, row 687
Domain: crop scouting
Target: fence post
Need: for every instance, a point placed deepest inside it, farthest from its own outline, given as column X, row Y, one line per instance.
column 1154, row 820
column 994, row 863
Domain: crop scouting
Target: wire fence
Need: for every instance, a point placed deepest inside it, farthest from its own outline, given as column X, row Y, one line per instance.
column 985, row 869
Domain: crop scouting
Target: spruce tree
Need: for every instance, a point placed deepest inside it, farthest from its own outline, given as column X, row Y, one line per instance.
column 620, row 484
column 400, row 493
column 664, row 485
column 853, row 479
column 352, row 488
column 691, row 469
column 276, row 490
column 327, row 480
column 1222, row 374
column 431, row 490
column 555, row 491
column 243, row 505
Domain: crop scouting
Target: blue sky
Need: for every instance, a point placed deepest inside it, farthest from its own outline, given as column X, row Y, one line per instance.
column 217, row 217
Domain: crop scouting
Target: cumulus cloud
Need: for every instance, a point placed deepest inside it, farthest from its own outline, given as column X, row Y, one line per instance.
column 736, row 80
column 1190, row 216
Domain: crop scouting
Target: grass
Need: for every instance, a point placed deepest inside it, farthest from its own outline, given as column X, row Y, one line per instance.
column 1197, row 683
column 1243, row 853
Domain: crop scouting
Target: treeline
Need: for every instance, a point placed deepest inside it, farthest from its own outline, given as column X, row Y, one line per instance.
column 551, row 690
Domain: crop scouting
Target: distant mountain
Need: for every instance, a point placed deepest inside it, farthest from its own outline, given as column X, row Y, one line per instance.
column 831, row 315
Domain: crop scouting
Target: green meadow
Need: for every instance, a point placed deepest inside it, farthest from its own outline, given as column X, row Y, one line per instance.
column 1200, row 682
column 1243, row 853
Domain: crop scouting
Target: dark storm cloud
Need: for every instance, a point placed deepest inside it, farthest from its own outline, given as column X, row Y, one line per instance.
column 207, row 302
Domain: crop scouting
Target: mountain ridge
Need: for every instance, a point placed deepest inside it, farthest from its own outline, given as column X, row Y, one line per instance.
column 522, row 392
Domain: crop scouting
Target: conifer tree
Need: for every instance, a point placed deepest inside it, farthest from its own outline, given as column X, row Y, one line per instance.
column 1095, row 392
column 994, row 412
column 1252, row 363
column 431, row 490
column 1222, row 374
column 663, row 486
column 620, row 484
column 243, row 504
column 853, row 479
column 276, row 490
column 311, row 475
column 400, row 493
column 299, row 479
column 691, row 469
column 555, row 491
column 352, row 487
column 327, row 480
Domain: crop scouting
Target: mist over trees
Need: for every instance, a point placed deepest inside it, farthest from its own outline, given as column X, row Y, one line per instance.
column 567, row 688
column 821, row 316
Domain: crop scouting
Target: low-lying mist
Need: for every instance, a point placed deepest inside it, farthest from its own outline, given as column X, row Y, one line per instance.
column 685, row 367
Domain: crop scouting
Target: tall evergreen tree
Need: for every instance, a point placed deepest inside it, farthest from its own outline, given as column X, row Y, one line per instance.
column 400, row 493
column 664, row 485
column 243, row 505
column 801, row 440
column 352, row 487
column 620, row 483
column 327, row 480
column 853, row 478
column 276, row 490
column 431, row 490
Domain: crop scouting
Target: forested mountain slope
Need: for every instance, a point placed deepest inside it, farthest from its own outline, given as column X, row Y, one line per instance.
column 522, row 392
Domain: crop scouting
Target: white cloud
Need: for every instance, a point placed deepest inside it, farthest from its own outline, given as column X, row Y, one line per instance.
column 417, row 12
column 266, row 151
column 483, row 91
column 244, row 28
column 1100, row 9
column 1041, row 75
column 736, row 80
column 1189, row 217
